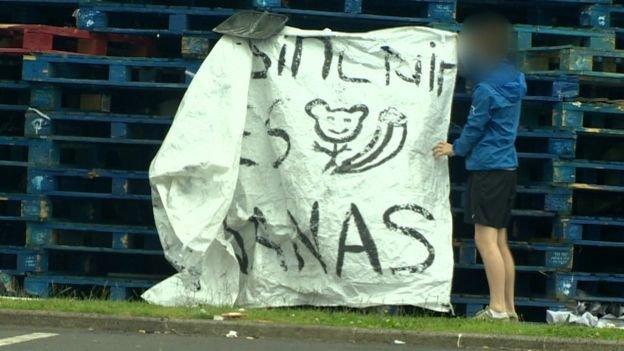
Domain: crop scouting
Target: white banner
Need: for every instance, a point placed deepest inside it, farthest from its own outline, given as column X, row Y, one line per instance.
column 298, row 171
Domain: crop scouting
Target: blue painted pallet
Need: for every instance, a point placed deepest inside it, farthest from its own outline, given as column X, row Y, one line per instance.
column 592, row 118
column 605, row 64
column 109, row 71
column 97, row 127
column 528, row 36
column 595, row 85
column 537, row 257
column 95, row 227
column 588, row 286
column 13, row 151
column 91, row 237
column 45, row 155
column 173, row 20
column 10, row 68
column 590, row 175
column 537, row 12
column 50, row 2
column 75, row 183
column 541, row 88
column 84, row 208
column 535, row 198
column 20, row 260
column 14, row 95
column 19, row 206
column 592, row 79
column 65, row 256
column 107, row 99
column 471, row 304
column 544, row 142
column 119, row 288
column 515, row 212
column 433, row 10
column 13, row 177
column 603, row 16
column 150, row 19
column 235, row 4
column 537, row 2
column 90, row 153
column 591, row 231
column 50, row 12
column 443, row 10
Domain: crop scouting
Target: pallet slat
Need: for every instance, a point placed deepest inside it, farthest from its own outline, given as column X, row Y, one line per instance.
column 529, row 256
column 107, row 71
column 120, row 289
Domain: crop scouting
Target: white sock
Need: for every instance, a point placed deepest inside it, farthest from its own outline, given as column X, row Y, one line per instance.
column 499, row 315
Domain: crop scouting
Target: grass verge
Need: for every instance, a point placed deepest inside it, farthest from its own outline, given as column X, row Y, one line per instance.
column 317, row 316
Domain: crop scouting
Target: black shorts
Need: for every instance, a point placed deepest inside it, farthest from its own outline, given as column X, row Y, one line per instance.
column 489, row 197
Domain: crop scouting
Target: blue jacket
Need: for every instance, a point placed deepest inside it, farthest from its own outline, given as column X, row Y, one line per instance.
column 489, row 135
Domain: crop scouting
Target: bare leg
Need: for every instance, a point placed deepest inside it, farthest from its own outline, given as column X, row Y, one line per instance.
column 510, row 270
column 486, row 239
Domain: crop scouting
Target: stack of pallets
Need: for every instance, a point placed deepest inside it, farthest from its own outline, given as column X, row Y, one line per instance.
column 96, row 102
column 83, row 115
column 84, row 110
column 567, row 228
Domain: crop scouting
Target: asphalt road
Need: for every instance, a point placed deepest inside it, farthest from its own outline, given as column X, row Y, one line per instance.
column 29, row 339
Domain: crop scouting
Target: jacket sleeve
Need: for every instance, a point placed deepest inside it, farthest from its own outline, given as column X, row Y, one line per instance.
column 475, row 126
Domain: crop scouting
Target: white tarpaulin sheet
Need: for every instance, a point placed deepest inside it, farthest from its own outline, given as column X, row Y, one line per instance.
column 298, row 171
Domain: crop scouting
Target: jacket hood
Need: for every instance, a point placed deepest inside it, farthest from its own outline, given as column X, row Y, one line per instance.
column 507, row 83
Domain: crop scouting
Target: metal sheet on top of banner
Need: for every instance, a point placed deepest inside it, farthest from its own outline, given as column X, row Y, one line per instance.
column 298, row 171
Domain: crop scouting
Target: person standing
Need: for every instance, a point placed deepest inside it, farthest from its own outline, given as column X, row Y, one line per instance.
column 487, row 142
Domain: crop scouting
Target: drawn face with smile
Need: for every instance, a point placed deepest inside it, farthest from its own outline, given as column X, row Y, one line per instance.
column 336, row 125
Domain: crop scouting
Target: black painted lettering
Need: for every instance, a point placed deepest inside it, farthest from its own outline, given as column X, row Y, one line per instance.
column 259, row 222
column 328, row 50
column 242, row 258
column 313, row 244
column 411, row 232
column 368, row 244
column 344, row 77
column 266, row 61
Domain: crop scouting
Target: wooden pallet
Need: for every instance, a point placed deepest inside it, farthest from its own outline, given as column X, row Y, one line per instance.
column 591, row 231
column 540, row 88
column 538, row 257
column 114, row 288
column 93, row 238
column 529, row 283
column 138, row 73
column 340, row 15
column 50, row 12
column 600, row 118
column 116, row 128
column 537, row 12
column 602, row 64
column 22, row 39
column 20, row 260
column 150, row 19
column 547, row 199
column 118, row 100
column 603, row 16
column 545, row 142
column 595, row 287
column 589, row 175
column 14, row 95
column 528, row 36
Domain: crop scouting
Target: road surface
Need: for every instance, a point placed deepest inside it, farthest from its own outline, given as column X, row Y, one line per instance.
column 30, row 339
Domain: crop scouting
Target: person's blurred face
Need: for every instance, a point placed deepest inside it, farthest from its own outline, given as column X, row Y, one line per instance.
column 475, row 52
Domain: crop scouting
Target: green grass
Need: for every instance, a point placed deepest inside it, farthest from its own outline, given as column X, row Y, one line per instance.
column 317, row 316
